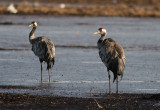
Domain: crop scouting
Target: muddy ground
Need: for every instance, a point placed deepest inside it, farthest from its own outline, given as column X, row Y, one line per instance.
column 112, row 101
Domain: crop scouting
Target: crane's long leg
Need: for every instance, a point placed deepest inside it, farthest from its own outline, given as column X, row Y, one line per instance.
column 109, row 76
column 41, row 71
column 49, row 74
column 117, row 84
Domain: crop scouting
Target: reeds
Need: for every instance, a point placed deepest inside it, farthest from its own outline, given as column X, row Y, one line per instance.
column 92, row 10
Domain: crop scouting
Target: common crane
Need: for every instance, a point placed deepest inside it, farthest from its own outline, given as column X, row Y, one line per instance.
column 112, row 55
column 42, row 48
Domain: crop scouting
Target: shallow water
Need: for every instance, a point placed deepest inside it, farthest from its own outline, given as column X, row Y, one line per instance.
column 79, row 72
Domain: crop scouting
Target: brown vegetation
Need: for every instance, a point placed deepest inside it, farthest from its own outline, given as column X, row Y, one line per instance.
column 93, row 10
column 125, row 8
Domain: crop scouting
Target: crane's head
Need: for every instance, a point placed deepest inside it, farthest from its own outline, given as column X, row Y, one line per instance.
column 33, row 24
column 101, row 31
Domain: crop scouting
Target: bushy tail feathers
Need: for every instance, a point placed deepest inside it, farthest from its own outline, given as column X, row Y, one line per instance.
column 50, row 58
column 120, row 69
column 50, row 64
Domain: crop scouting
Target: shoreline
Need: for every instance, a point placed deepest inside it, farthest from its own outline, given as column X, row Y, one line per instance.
column 99, row 2
column 108, row 101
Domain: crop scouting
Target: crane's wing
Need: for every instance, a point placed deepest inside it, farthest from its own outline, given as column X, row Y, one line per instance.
column 111, row 50
column 120, row 52
column 114, row 57
column 50, row 48
column 43, row 48
column 109, row 46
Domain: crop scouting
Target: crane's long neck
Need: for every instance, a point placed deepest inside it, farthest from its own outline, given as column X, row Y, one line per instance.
column 31, row 35
column 101, row 39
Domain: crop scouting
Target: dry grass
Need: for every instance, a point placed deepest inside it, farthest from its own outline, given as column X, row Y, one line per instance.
column 94, row 10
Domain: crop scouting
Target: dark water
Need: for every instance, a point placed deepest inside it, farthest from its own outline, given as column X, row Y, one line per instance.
column 79, row 71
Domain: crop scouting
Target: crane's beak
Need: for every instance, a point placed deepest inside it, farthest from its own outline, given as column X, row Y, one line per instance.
column 96, row 33
column 31, row 25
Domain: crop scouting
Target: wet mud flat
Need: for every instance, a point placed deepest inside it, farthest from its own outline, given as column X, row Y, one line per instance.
column 108, row 101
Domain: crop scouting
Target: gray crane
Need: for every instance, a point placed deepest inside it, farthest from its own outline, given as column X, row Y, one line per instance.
column 112, row 55
column 42, row 48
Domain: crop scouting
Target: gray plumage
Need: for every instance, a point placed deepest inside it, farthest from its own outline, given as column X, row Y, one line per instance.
column 42, row 48
column 112, row 55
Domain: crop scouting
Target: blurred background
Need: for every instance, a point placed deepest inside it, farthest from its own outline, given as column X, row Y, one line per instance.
column 137, row 8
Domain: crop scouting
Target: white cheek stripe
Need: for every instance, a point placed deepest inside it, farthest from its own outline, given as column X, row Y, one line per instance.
column 104, row 30
column 35, row 23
